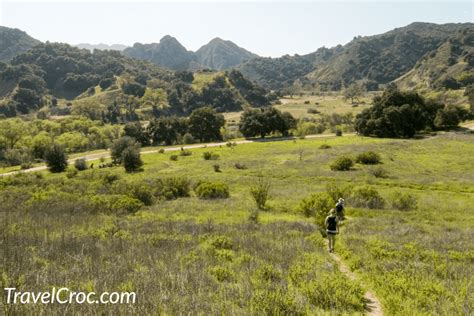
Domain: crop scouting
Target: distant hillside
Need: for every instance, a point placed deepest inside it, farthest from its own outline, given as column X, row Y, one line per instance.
column 14, row 42
column 449, row 66
column 220, row 54
column 101, row 46
column 278, row 73
column 373, row 60
column 168, row 53
column 382, row 58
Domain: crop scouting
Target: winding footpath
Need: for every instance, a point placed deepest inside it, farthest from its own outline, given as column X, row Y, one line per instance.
column 106, row 154
column 373, row 305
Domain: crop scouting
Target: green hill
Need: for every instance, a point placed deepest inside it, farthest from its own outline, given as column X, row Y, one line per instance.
column 14, row 42
column 450, row 66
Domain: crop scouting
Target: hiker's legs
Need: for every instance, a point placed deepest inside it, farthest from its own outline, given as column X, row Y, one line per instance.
column 330, row 241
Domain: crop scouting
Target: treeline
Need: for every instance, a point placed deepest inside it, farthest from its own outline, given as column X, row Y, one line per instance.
column 52, row 71
column 404, row 113
column 25, row 142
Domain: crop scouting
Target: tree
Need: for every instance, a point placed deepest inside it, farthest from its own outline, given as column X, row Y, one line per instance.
column 450, row 117
column 133, row 88
column 56, row 158
column 12, row 131
column 119, row 146
column 354, row 91
column 396, row 114
column 261, row 122
column 136, row 131
column 205, row 124
column 131, row 158
column 469, row 92
column 166, row 129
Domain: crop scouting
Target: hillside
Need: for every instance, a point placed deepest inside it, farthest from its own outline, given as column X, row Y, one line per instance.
column 278, row 73
column 168, row 53
column 382, row 58
column 373, row 60
column 449, row 66
column 14, row 42
column 59, row 79
column 101, row 46
column 218, row 54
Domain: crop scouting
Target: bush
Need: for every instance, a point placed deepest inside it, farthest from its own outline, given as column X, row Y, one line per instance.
column 185, row 152
column 317, row 205
column 240, row 166
column 172, row 188
column 312, row 111
column 324, row 146
column 403, row 201
column 378, row 172
column 131, row 159
column 338, row 131
column 71, row 173
column 212, row 190
column 161, row 151
column 126, row 204
column 26, row 165
column 336, row 191
column 367, row 197
column 174, row 157
column 306, row 102
column 342, row 163
column 221, row 273
column 368, row 158
column 119, row 145
column 56, row 159
column 188, row 139
column 260, row 192
column 80, row 164
column 142, row 191
column 210, row 156
column 217, row 168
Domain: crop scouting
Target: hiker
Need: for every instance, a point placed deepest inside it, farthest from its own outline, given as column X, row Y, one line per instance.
column 332, row 228
column 340, row 209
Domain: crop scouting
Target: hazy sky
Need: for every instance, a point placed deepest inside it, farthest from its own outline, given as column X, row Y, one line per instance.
column 268, row 28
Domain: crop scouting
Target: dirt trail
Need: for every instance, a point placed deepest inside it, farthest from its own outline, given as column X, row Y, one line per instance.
column 106, row 154
column 373, row 305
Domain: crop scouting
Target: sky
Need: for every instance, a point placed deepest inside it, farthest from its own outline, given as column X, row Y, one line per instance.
column 267, row 28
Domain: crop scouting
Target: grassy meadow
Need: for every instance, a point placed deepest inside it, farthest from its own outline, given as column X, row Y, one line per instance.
column 190, row 255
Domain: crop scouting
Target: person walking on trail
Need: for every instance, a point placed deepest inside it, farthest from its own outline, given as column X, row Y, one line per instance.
column 332, row 228
column 340, row 209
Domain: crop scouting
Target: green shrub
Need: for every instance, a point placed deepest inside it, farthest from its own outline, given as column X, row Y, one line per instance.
column 141, row 191
column 367, row 197
column 56, row 159
column 368, row 158
column 188, row 139
column 337, row 190
column 317, row 205
column 80, row 164
column 212, row 190
column 185, row 152
column 174, row 157
column 161, row 150
column 338, row 131
column 71, row 172
column 217, row 168
column 260, row 192
column 221, row 242
column 378, row 172
column 208, row 155
column 324, row 146
column 26, row 165
column 240, row 166
column 222, row 273
column 131, row 159
column 172, row 188
column 403, row 201
column 342, row 163
column 126, row 204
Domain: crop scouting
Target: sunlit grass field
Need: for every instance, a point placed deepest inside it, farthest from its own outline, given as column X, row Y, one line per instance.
column 191, row 255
